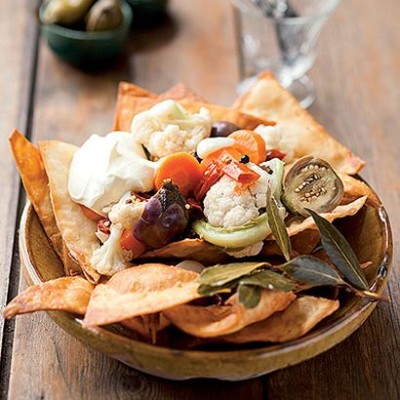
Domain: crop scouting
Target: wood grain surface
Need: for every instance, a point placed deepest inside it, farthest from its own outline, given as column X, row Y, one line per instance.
column 17, row 42
column 358, row 94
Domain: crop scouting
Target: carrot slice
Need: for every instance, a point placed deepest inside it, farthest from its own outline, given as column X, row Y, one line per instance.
column 241, row 173
column 251, row 144
column 223, row 156
column 129, row 242
column 224, row 161
column 183, row 169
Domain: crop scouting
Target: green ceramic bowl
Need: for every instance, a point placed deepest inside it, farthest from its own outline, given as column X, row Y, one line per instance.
column 370, row 236
column 88, row 50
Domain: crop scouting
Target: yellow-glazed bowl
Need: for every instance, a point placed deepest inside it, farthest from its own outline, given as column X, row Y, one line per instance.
column 370, row 236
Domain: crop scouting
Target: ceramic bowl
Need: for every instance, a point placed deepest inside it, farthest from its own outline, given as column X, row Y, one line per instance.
column 147, row 12
column 370, row 236
column 88, row 50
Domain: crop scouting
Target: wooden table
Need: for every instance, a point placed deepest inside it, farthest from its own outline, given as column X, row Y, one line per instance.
column 357, row 80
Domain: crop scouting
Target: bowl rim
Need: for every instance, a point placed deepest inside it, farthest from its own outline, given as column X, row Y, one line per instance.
column 93, row 35
column 361, row 307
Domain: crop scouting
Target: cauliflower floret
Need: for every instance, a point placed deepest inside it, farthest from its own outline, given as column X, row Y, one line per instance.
column 248, row 251
column 168, row 128
column 127, row 211
column 225, row 205
column 111, row 258
column 275, row 138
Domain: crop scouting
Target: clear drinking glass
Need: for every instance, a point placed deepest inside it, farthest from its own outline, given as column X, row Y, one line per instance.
column 281, row 36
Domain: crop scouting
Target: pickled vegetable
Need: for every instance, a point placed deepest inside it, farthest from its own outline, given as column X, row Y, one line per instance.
column 251, row 144
column 312, row 183
column 223, row 128
column 164, row 217
column 250, row 233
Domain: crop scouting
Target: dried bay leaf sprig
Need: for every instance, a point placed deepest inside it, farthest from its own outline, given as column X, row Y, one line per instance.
column 249, row 279
column 277, row 226
column 340, row 252
column 313, row 272
column 249, row 295
column 221, row 274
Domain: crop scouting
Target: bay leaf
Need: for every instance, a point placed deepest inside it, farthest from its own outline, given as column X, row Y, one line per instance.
column 312, row 271
column 340, row 252
column 277, row 226
column 220, row 274
column 249, row 295
column 268, row 280
column 209, row 290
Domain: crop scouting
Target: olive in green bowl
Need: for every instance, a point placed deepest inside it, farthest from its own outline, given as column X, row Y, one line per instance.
column 87, row 50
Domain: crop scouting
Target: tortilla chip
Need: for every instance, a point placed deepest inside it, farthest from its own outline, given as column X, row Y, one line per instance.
column 141, row 290
column 71, row 267
column 193, row 249
column 217, row 320
column 302, row 244
column 127, row 88
column 77, row 231
column 302, row 135
column 147, row 326
column 179, row 92
column 298, row 319
column 128, row 106
column 35, row 181
column 355, row 188
column 347, row 210
column 69, row 294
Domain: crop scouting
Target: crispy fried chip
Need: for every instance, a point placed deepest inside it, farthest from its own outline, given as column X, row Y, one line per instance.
column 301, row 134
column 217, row 320
column 194, row 249
column 355, row 188
column 69, row 294
column 147, row 326
column 179, row 92
column 77, row 231
column 127, row 88
column 303, row 243
column 129, row 105
column 347, row 210
column 34, row 178
column 71, row 267
column 141, row 290
column 125, row 92
column 295, row 321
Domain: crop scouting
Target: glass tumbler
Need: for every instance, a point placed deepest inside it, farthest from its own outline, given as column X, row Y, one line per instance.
column 281, row 36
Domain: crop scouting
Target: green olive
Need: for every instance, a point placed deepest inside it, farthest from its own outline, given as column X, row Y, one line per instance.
column 312, row 183
column 104, row 15
column 65, row 12
column 250, row 233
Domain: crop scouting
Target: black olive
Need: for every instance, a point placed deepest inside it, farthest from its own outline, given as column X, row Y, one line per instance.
column 223, row 128
column 244, row 159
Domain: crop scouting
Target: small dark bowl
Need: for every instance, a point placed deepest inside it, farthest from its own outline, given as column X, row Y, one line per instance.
column 148, row 12
column 88, row 50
